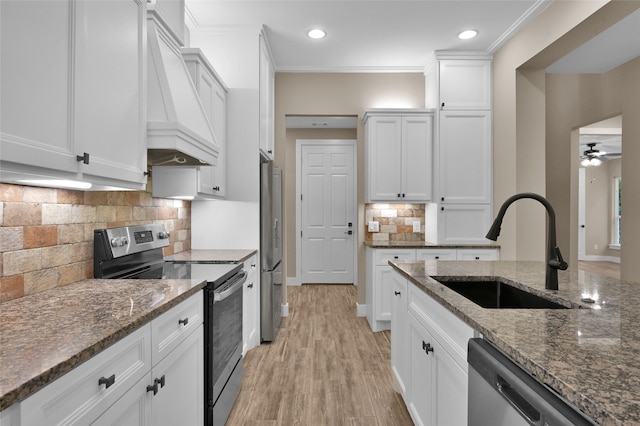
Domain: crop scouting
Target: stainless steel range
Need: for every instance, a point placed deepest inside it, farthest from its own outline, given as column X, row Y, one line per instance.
column 135, row 252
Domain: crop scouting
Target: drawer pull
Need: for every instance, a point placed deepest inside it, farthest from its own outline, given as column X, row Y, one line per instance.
column 107, row 381
column 159, row 381
column 184, row 321
column 153, row 388
column 437, row 257
column 427, row 347
column 397, row 293
column 395, row 257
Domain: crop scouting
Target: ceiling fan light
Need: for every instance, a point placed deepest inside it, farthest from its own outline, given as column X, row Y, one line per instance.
column 596, row 162
column 585, row 162
column 316, row 33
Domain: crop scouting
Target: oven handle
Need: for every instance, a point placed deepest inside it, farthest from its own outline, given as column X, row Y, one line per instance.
column 220, row 296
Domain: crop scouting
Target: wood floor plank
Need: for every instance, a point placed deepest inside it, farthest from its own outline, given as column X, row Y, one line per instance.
column 325, row 367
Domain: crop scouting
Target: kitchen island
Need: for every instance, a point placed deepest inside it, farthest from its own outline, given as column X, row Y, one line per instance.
column 587, row 354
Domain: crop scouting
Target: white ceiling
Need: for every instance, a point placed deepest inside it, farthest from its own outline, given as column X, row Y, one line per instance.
column 368, row 36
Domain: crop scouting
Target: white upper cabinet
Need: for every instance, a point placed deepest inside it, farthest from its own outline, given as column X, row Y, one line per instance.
column 398, row 148
column 172, row 13
column 267, row 94
column 73, row 101
column 465, row 84
column 465, row 157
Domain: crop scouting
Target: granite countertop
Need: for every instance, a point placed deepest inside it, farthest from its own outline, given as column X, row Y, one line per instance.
column 422, row 244
column 45, row 335
column 589, row 356
column 212, row 256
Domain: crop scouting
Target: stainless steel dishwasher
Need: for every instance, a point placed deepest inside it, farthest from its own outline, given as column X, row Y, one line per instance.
column 502, row 393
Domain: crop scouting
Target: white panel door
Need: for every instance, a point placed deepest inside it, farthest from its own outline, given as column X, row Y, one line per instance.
column 327, row 203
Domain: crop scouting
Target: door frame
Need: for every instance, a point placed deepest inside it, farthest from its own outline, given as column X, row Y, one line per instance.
column 324, row 142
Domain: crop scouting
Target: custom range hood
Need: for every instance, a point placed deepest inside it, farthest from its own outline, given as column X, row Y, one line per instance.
column 178, row 129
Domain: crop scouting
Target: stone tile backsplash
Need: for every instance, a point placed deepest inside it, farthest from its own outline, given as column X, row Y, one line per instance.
column 46, row 235
column 395, row 222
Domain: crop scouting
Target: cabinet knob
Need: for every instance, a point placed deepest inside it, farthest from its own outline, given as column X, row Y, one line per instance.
column 442, row 208
column 397, row 293
column 159, row 381
column 437, row 257
column 153, row 388
column 398, row 195
column 441, row 198
column 270, row 151
column 184, row 321
column 107, row 381
column 427, row 347
column 402, row 195
column 216, row 188
column 250, row 285
column 477, row 257
column 442, row 106
column 84, row 158
column 395, row 257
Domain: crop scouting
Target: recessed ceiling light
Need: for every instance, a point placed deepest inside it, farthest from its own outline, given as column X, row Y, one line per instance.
column 466, row 35
column 316, row 33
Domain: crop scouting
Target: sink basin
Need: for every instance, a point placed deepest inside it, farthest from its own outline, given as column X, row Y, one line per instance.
column 494, row 293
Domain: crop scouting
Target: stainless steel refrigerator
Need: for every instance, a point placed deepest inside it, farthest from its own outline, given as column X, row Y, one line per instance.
column 270, row 250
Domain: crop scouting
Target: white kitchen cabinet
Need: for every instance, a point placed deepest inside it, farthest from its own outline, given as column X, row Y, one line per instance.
column 464, row 84
column 462, row 223
column 184, row 182
column 10, row 416
column 379, row 282
column 478, row 254
column 84, row 85
column 84, row 393
column 399, row 158
column 459, row 85
column 465, row 157
column 250, row 307
column 400, row 333
column 436, row 254
column 267, row 99
column 116, row 387
column 437, row 377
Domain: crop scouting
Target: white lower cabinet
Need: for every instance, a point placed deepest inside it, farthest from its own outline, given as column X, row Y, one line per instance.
column 380, row 276
column 155, row 376
column 431, row 345
column 250, row 307
column 400, row 334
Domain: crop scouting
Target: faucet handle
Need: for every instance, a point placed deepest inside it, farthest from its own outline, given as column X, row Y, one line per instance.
column 558, row 262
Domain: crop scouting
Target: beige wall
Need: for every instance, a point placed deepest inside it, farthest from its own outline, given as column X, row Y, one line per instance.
column 535, row 113
column 334, row 94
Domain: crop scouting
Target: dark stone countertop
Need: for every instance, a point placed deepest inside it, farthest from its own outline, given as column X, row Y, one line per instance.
column 212, row 256
column 422, row 245
column 589, row 356
column 44, row 335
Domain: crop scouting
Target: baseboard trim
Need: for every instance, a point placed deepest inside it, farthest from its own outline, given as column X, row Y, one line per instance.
column 293, row 281
column 285, row 309
column 361, row 310
column 593, row 258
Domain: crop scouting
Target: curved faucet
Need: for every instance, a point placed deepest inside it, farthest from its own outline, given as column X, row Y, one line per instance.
column 554, row 258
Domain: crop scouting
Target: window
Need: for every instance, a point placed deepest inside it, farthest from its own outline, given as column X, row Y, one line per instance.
column 616, row 234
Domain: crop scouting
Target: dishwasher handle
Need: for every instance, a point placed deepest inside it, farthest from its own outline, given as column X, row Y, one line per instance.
column 226, row 290
column 517, row 401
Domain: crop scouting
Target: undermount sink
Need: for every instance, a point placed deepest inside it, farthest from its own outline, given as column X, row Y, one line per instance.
column 494, row 293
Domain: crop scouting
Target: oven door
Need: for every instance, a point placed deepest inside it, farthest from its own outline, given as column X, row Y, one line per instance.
column 225, row 349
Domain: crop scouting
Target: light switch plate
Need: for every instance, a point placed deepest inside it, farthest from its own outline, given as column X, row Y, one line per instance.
column 416, row 226
column 374, row 226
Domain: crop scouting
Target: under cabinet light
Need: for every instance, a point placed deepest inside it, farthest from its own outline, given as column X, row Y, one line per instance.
column 56, row 183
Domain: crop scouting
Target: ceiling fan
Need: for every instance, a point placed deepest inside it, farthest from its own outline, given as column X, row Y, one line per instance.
column 595, row 157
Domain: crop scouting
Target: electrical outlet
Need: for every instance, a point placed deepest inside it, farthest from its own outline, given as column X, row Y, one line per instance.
column 374, row 226
column 416, row 226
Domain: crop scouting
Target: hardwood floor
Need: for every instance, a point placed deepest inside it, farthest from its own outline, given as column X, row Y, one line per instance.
column 325, row 367
column 609, row 269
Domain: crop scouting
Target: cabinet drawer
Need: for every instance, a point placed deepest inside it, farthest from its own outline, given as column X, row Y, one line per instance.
column 383, row 256
column 436, row 254
column 79, row 397
column 250, row 266
column 451, row 331
column 478, row 254
column 171, row 328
